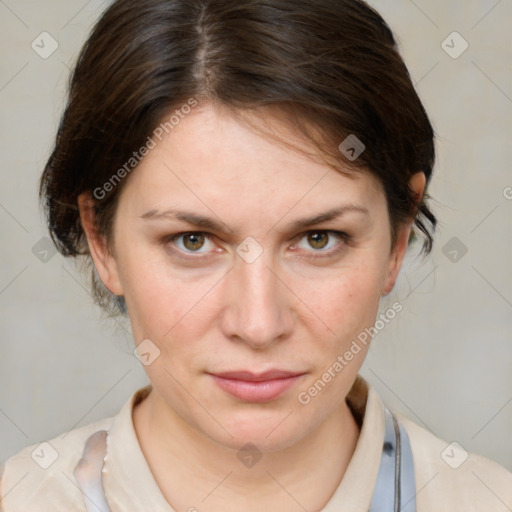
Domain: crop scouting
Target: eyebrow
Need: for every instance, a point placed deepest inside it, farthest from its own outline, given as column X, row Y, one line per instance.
column 214, row 225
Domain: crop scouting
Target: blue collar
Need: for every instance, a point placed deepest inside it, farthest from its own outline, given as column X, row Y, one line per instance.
column 395, row 489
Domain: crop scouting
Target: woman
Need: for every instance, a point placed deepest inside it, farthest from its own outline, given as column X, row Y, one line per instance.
column 243, row 178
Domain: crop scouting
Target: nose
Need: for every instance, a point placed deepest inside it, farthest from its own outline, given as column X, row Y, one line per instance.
column 258, row 307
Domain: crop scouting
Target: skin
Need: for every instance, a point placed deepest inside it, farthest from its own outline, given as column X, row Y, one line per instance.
column 211, row 311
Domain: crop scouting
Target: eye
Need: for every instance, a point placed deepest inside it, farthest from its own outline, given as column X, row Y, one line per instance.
column 192, row 242
column 322, row 241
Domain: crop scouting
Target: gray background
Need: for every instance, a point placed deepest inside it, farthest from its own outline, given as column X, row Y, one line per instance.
column 444, row 361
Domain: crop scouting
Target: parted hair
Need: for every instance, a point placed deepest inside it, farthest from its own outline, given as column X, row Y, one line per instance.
column 331, row 67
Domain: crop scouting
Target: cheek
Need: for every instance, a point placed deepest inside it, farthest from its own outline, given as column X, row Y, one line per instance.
column 346, row 299
column 164, row 302
column 167, row 303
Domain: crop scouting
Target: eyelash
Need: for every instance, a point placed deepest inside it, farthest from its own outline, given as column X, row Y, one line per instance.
column 345, row 238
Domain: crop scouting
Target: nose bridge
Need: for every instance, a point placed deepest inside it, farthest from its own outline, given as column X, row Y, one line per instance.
column 258, row 303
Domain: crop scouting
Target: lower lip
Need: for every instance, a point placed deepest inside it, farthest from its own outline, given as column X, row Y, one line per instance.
column 251, row 391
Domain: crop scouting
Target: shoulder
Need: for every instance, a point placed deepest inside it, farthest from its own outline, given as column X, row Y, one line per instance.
column 40, row 476
column 449, row 478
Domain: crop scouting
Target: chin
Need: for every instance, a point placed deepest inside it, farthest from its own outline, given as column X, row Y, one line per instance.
column 268, row 430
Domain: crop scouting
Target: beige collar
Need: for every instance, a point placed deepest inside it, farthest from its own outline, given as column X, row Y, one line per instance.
column 129, row 483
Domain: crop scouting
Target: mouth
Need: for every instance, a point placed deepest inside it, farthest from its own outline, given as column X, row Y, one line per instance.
column 250, row 387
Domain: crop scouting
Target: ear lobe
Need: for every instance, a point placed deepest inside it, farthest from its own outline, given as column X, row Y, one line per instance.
column 417, row 185
column 103, row 259
column 396, row 258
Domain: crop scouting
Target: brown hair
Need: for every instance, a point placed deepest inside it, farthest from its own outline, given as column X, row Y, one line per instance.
column 331, row 66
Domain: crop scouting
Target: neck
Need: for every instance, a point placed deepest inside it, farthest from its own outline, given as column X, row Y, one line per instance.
column 190, row 468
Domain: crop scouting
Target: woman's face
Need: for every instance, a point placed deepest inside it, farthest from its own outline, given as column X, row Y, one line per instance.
column 260, row 286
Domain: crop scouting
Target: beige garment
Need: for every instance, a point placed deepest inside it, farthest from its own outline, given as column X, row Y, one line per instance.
column 478, row 484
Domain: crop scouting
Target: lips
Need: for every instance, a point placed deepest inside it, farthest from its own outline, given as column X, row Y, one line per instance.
column 258, row 377
column 256, row 387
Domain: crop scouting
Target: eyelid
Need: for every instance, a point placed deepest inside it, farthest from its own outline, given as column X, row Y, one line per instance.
column 345, row 238
column 186, row 254
column 340, row 234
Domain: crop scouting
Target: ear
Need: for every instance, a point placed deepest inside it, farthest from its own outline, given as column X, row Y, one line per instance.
column 103, row 258
column 417, row 185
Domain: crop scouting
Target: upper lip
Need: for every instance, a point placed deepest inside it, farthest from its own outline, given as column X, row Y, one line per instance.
column 257, row 377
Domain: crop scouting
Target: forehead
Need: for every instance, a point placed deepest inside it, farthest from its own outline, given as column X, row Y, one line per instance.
column 211, row 159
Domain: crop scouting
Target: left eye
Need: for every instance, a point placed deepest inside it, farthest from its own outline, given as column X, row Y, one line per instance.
column 192, row 242
column 321, row 241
